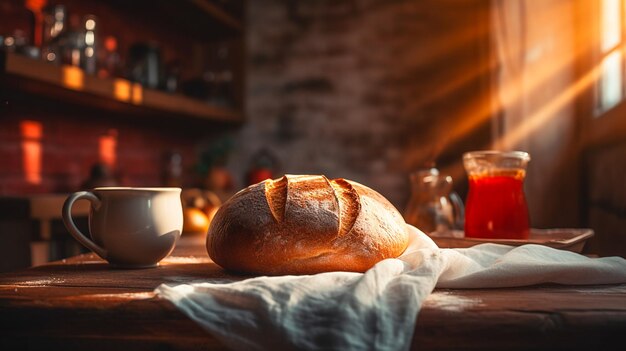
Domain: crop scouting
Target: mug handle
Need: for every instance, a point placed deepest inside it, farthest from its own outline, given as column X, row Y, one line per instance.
column 71, row 226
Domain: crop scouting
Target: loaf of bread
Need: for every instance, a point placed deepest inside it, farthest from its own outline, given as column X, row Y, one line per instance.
column 305, row 224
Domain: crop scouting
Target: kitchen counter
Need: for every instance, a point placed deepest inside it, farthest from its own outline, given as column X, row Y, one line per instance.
column 82, row 303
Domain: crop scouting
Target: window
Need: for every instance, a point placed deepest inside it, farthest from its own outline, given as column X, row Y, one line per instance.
column 610, row 89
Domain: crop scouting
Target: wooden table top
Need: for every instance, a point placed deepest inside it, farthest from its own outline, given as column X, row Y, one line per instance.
column 82, row 303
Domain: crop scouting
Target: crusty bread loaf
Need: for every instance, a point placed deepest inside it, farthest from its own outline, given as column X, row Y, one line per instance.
column 305, row 224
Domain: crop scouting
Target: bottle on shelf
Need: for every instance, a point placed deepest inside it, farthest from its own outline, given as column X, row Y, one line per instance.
column 144, row 64
column 18, row 23
column 109, row 60
column 221, row 78
column 88, row 61
column 215, row 84
column 73, row 43
column 171, row 79
column 54, row 30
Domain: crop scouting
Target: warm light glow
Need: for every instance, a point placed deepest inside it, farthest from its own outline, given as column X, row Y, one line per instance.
column 610, row 87
column 121, row 89
column 534, row 67
column 31, row 133
column 73, row 77
column 110, row 43
column 107, row 149
column 126, row 91
column 543, row 115
column 90, row 38
column 542, row 84
column 57, row 27
column 36, row 7
column 611, row 82
column 537, row 78
column 533, row 122
column 469, row 115
column 75, row 57
column 89, row 52
column 90, row 24
column 611, row 24
column 32, row 161
column 137, row 96
column 31, row 130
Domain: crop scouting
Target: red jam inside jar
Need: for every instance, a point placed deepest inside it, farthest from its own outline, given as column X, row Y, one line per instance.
column 496, row 206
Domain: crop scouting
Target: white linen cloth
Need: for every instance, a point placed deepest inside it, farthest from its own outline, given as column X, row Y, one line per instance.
column 375, row 310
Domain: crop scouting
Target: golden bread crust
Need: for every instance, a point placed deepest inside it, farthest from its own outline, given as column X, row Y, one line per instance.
column 305, row 224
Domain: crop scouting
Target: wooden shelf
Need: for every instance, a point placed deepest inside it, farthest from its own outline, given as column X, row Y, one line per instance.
column 70, row 84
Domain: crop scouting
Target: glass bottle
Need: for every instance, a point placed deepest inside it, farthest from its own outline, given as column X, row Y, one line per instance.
column 433, row 206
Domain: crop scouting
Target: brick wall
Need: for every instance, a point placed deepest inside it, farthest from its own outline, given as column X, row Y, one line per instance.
column 366, row 90
column 70, row 145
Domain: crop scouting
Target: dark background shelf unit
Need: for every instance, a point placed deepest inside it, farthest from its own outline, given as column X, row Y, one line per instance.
column 69, row 85
column 192, row 35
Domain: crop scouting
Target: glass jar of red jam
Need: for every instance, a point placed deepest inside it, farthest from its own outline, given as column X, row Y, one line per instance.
column 496, row 206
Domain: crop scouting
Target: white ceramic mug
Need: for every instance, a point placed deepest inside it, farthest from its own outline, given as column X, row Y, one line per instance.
column 129, row 227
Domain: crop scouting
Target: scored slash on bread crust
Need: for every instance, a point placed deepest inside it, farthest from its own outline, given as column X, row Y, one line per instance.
column 346, row 198
column 276, row 195
column 349, row 204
